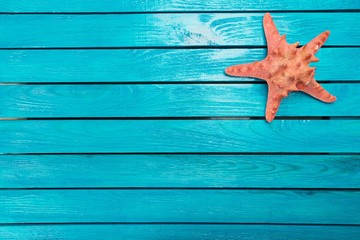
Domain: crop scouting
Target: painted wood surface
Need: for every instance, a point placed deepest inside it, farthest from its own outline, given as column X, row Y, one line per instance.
column 179, row 100
column 180, row 171
column 227, row 206
column 89, row 136
column 172, row 5
column 155, row 65
column 190, row 29
column 220, row 178
column 178, row 232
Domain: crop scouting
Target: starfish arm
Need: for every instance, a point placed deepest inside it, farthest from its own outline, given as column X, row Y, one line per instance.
column 317, row 91
column 273, row 104
column 255, row 69
column 271, row 33
column 316, row 43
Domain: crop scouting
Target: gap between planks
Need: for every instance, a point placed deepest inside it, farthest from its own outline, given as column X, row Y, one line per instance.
column 181, row 223
column 187, row 153
column 162, row 47
column 350, row 10
column 181, row 188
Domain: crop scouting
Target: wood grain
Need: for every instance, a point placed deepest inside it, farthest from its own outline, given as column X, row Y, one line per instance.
column 190, row 29
column 177, row 232
column 156, row 65
column 171, row 5
column 56, row 136
column 227, row 206
column 191, row 171
column 180, row 100
column 143, row 45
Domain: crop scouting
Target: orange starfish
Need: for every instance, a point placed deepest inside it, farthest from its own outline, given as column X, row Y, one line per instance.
column 285, row 68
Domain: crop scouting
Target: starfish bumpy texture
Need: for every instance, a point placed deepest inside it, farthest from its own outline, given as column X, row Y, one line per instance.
column 285, row 68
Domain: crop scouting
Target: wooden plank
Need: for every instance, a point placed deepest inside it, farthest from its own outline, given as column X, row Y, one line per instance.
column 164, row 65
column 191, row 171
column 177, row 232
column 165, row 100
column 179, row 100
column 171, row 5
column 190, row 29
column 55, row 136
column 222, row 206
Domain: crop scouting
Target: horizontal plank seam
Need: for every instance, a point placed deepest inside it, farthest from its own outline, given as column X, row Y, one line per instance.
column 350, row 10
column 162, row 47
column 185, row 153
column 175, row 118
column 230, row 82
column 182, row 188
column 182, row 223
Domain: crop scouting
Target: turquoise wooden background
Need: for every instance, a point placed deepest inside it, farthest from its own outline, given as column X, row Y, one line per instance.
column 117, row 122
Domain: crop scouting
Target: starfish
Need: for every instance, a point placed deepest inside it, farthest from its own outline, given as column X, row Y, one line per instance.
column 285, row 68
